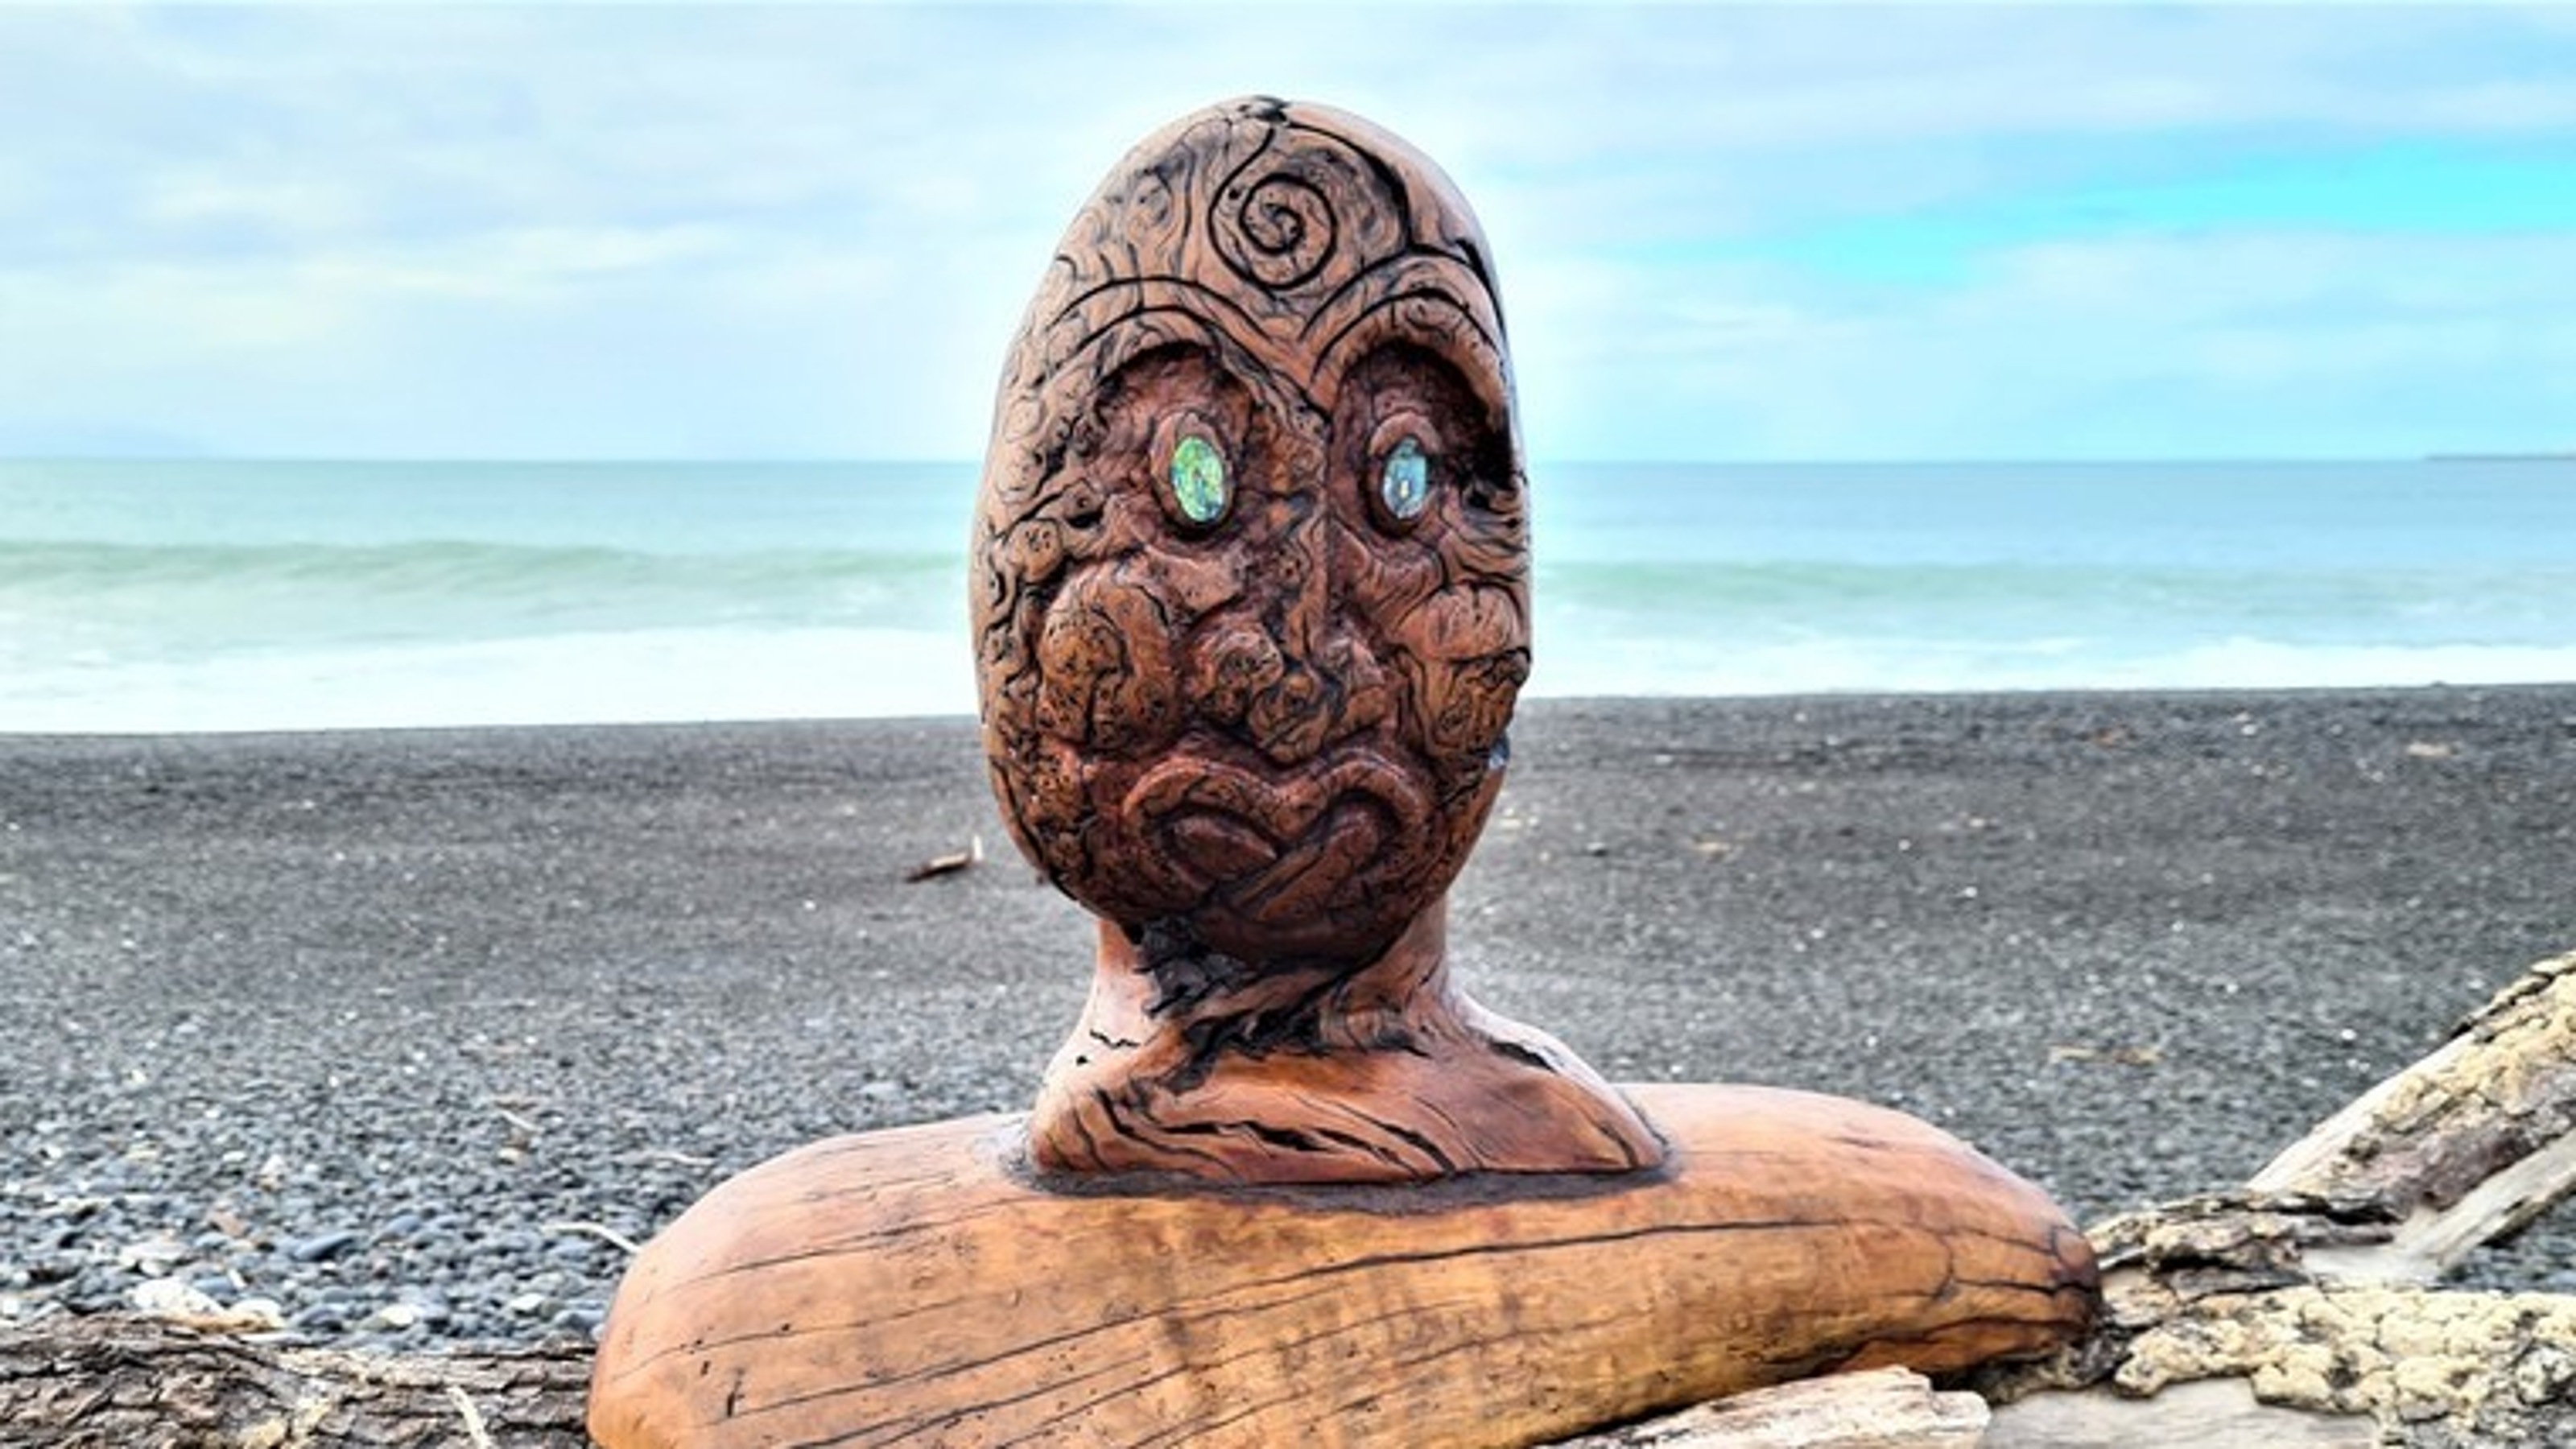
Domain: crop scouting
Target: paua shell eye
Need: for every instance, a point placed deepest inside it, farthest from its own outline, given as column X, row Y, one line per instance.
column 1198, row 479
column 1404, row 479
column 1197, row 490
column 1402, row 448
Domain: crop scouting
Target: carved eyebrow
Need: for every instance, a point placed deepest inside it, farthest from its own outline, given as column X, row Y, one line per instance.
column 1428, row 260
column 1486, row 381
column 1266, row 356
column 1188, row 285
column 1423, row 293
column 1201, row 336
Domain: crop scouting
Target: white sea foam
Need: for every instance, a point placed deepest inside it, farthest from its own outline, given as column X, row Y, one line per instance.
column 2261, row 664
column 1660, row 669
column 653, row 675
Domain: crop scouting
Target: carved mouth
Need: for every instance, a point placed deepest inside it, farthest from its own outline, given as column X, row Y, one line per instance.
column 1269, row 846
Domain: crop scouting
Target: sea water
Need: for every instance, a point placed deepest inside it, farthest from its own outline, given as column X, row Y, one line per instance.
column 177, row 596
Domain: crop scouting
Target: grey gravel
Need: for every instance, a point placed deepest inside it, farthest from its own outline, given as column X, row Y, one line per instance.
column 398, row 1035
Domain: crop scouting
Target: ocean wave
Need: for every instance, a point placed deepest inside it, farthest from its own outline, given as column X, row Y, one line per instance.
column 708, row 618
column 433, row 566
column 180, row 598
column 2159, row 605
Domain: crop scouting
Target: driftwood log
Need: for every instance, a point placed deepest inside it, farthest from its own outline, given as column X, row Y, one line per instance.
column 117, row 1382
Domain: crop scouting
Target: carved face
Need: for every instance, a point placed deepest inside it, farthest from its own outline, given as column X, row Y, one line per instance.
column 1250, row 559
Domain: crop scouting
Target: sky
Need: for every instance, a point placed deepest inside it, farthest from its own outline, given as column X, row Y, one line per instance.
column 1723, row 233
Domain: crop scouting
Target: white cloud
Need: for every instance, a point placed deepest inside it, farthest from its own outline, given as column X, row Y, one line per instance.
column 289, row 208
column 2282, row 344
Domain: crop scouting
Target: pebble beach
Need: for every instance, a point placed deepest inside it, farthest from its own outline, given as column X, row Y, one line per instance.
column 403, row 1038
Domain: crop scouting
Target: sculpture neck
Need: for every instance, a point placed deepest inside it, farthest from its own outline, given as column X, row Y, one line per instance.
column 1161, row 983
column 1193, row 1062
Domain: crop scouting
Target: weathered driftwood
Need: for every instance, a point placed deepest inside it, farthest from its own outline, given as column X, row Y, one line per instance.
column 2464, row 1148
column 2306, row 1288
column 1872, row 1409
column 2203, row 1414
column 139, row 1383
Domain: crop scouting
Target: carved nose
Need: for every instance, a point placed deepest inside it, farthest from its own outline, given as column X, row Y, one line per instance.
column 1292, row 718
column 1329, row 683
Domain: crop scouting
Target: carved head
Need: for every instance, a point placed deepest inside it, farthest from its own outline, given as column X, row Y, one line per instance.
column 1249, row 578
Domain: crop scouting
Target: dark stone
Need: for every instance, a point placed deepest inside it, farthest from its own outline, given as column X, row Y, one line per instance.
column 322, row 1246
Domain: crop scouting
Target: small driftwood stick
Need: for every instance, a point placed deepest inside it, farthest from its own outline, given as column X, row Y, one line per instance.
column 949, row 864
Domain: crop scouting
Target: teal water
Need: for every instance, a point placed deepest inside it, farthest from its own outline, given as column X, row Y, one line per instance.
column 202, row 596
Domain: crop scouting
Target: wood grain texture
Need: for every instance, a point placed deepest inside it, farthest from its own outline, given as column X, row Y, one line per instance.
column 920, row 1287
column 2464, row 1147
column 1250, row 600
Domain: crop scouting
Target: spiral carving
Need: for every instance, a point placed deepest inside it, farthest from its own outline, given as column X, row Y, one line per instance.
column 1277, row 232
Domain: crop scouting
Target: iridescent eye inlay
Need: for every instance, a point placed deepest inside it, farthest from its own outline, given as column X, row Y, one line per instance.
column 1198, row 479
column 1405, row 481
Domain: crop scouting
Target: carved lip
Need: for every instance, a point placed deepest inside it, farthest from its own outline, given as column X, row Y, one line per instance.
column 1220, row 827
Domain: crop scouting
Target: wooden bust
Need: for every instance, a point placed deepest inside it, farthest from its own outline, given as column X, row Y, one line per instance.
column 1251, row 605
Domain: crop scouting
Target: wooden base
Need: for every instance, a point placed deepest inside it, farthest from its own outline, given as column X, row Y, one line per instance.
column 922, row 1286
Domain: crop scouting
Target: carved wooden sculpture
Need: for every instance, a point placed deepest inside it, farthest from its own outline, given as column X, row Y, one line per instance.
column 1250, row 602
column 1250, row 594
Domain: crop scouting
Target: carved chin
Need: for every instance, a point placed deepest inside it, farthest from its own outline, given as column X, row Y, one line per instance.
column 1318, row 862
